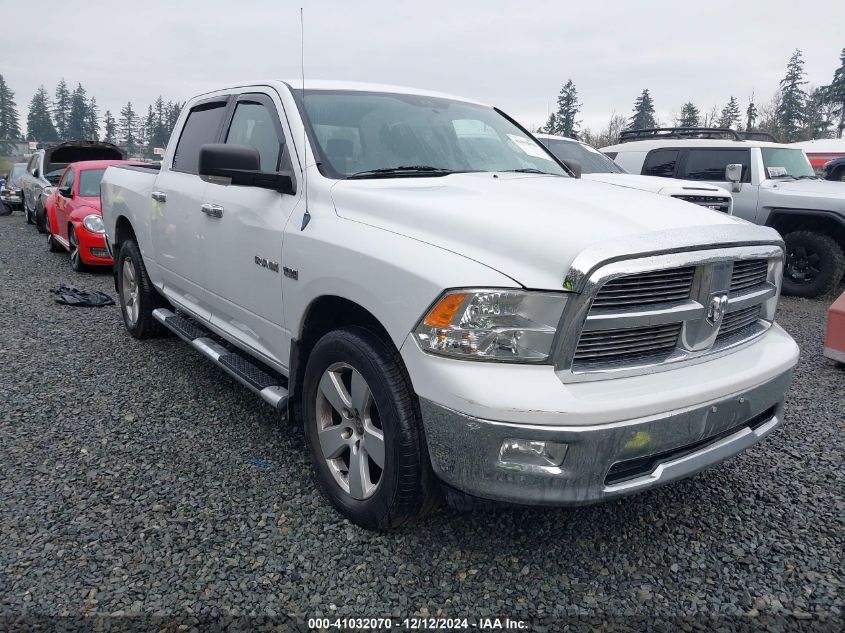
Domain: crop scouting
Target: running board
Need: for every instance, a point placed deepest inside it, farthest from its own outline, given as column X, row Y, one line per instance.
column 246, row 371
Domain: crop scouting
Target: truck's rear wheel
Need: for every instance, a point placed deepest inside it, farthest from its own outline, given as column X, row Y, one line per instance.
column 364, row 432
column 138, row 296
column 814, row 264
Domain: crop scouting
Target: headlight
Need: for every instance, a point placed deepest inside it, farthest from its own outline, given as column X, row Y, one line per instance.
column 499, row 325
column 94, row 223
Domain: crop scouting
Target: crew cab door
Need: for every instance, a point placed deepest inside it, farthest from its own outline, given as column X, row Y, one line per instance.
column 708, row 164
column 242, row 232
column 177, row 221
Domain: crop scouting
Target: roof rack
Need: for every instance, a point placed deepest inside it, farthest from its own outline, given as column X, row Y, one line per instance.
column 679, row 132
column 762, row 136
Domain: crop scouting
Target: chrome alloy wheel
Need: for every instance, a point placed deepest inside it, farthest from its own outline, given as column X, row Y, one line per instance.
column 74, row 249
column 349, row 430
column 129, row 292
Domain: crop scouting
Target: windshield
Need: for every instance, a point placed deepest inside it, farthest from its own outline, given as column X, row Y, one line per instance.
column 89, row 182
column 786, row 163
column 371, row 134
column 18, row 170
column 592, row 161
column 53, row 176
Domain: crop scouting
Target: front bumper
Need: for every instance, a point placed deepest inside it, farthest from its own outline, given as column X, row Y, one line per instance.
column 637, row 448
column 92, row 247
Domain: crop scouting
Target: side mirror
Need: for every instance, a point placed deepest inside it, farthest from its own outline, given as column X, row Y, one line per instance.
column 66, row 191
column 240, row 165
column 733, row 174
column 573, row 165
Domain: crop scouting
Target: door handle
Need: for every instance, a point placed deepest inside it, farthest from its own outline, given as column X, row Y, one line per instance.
column 212, row 210
column 159, row 196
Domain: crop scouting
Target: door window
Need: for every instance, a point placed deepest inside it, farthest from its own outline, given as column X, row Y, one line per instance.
column 67, row 179
column 253, row 125
column 201, row 127
column 710, row 164
column 661, row 162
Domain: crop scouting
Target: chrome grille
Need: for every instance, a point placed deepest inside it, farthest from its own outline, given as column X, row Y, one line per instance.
column 644, row 314
column 749, row 273
column 608, row 346
column 717, row 203
column 644, row 289
column 735, row 322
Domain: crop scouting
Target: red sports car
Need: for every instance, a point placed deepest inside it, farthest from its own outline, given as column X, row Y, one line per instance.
column 74, row 221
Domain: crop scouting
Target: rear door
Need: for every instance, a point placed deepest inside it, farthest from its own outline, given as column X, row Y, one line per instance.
column 177, row 220
column 243, row 235
column 707, row 164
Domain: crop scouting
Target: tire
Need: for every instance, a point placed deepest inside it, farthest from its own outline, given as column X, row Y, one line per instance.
column 75, row 252
column 405, row 488
column 52, row 244
column 26, row 212
column 137, row 295
column 814, row 264
column 40, row 216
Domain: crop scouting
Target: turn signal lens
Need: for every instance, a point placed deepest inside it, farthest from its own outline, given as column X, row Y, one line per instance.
column 443, row 312
column 498, row 325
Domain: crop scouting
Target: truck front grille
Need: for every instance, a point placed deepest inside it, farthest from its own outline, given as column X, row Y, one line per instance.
column 644, row 318
column 749, row 273
column 659, row 286
column 717, row 203
column 628, row 345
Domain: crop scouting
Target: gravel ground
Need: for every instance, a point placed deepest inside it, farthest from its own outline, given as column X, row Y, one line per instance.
column 135, row 479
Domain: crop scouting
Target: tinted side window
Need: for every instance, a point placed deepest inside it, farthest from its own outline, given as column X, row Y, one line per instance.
column 661, row 162
column 200, row 128
column 67, row 179
column 253, row 126
column 710, row 164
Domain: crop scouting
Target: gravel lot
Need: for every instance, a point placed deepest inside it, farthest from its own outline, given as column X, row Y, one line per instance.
column 128, row 486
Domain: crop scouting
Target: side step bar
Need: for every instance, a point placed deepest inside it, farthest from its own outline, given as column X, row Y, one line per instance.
column 246, row 371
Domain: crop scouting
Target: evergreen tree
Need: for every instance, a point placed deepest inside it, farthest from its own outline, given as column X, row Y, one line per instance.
column 161, row 133
column 150, row 129
column 173, row 110
column 39, row 125
column 750, row 114
column 77, row 120
column 61, row 109
column 129, row 129
column 551, row 125
column 836, row 95
column 793, row 99
column 10, row 128
column 93, row 120
column 690, row 115
column 109, row 128
column 567, row 109
column 730, row 114
column 643, row 116
column 816, row 120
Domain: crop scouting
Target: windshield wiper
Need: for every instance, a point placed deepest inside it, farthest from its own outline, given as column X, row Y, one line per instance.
column 402, row 170
column 529, row 170
column 807, row 177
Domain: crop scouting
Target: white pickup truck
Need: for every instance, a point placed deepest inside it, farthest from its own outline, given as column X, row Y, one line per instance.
column 443, row 306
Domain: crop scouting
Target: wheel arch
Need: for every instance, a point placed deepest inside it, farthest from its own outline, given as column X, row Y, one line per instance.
column 821, row 221
column 322, row 315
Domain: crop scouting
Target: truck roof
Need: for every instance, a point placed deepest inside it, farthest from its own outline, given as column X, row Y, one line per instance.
column 330, row 84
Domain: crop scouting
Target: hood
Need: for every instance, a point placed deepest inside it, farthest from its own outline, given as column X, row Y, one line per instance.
column 811, row 188
column 528, row 227
column 88, row 205
column 656, row 184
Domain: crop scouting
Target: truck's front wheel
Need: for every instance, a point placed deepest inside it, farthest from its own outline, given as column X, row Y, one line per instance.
column 364, row 432
column 814, row 264
column 138, row 296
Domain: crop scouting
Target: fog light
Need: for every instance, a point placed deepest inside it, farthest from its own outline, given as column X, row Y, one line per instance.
column 532, row 453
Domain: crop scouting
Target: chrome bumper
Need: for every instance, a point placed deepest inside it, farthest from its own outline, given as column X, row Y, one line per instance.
column 601, row 461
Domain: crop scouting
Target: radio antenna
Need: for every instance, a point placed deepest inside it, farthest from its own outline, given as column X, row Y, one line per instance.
column 306, row 217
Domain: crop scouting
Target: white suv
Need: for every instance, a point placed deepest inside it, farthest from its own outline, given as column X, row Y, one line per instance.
column 593, row 165
column 772, row 184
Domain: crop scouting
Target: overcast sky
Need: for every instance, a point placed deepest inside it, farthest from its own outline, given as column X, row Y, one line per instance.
column 515, row 55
